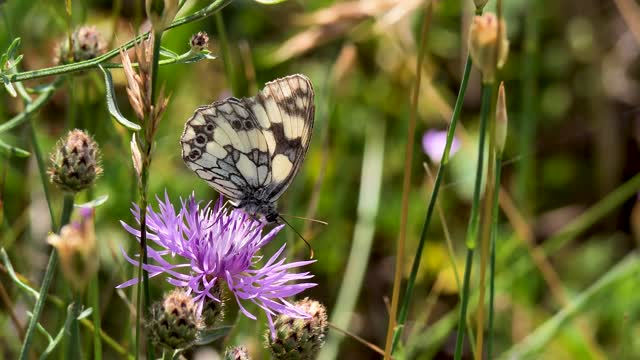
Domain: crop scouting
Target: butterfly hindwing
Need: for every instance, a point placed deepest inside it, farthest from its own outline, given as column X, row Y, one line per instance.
column 252, row 147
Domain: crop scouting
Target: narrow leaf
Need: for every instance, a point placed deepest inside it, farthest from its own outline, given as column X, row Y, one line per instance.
column 112, row 105
column 12, row 150
column 211, row 335
column 93, row 203
column 85, row 313
column 13, row 47
column 9, row 87
column 168, row 53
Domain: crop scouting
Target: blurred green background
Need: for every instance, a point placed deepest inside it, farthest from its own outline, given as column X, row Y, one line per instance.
column 572, row 93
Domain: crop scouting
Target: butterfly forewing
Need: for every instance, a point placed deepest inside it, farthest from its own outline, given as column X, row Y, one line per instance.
column 253, row 147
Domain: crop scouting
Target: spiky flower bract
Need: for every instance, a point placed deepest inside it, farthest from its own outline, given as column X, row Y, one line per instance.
column 86, row 43
column 201, row 247
column 174, row 321
column 299, row 339
column 75, row 162
column 237, row 353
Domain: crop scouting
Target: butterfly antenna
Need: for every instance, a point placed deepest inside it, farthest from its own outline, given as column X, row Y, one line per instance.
column 300, row 235
column 304, row 218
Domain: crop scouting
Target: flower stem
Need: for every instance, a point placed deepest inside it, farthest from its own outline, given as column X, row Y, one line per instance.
column 94, row 300
column 46, row 282
column 472, row 231
column 406, row 185
column 492, row 263
column 73, row 350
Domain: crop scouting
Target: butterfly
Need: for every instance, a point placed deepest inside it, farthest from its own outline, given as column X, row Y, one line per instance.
column 250, row 149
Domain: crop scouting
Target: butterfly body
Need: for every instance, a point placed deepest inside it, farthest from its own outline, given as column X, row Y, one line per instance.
column 250, row 149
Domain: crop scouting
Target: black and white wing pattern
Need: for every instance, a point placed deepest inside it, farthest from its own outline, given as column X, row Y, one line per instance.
column 250, row 149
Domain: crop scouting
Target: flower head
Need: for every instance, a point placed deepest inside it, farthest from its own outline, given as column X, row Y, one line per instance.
column 434, row 142
column 488, row 44
column 174, row 321
column 76, row 246
column 199, row 41
column 86, row 43
column 75, row 162
column 201, row 247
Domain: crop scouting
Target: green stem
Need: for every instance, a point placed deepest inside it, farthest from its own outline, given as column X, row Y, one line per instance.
column 492, row 263
column 472, row 232
column 42, row 170
column 157, row 43
column 226, row 53
column 74, row 350
column 404, row 307
column 94, row 299
column 93, row 63
column 46, row 282
column 31, row 106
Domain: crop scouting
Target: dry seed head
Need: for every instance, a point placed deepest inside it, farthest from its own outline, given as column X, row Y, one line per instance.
column 86, row 43
column 299, row 339
column 75, row 162
column 484, row 44
column 199, row 41
column 237, row 353
column 161, row 12
column 501, row 119
column 174, row 321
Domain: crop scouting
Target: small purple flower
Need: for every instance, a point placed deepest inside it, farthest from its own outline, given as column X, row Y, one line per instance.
column 433, row 143
column 215, row 244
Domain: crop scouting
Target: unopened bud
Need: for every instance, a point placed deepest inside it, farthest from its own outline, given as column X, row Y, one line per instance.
column 86, row 43
column 480, row 3
column 174, row 321
column 161, row 13
column 199, row 41
column 76, row 247
column 75, row 162
column 237, row 353
column 501, row 119
column 488, row 44
column 299, row 338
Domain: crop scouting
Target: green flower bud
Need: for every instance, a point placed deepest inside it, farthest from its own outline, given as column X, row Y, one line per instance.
column 299, row 339
column 237, row 353
column 488, row 52
column 86, row 43
column 212, row 310
column 174, row 321
column 199, row 41
column 75, row 162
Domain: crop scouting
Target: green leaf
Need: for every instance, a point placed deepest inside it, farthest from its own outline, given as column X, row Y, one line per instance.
column 12, row 150
column 13, row 47
column 93, row 203
column 168, row 53
column 270, row 2
column 8, row 86
column 211, row 335
column 111, row 102
column 85, row 313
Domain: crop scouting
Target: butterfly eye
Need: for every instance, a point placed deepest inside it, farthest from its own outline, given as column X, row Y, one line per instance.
column 194, row 154
column 201, row 139
column 209, row 128
column 248, row 125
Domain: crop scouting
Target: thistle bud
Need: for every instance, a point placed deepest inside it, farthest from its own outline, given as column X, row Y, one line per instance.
column 480, row 3
column 299, row 338
column 161, row 12
column 237, row 353
column 213, row 309
column 75, row 162
column 86, row 43
column 76, row 246
column 501, row 119
column 487, row 50
column 199, row 41
column 174, row 321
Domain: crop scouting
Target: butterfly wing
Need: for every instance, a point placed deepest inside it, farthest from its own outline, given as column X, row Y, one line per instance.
column 285, row 109
column 244, row 147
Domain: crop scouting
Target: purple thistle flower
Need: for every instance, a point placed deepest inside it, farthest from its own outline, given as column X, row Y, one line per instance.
column 433, row 143
column 215, row 244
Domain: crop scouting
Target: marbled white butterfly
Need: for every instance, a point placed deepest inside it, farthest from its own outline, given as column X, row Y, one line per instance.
column 250, row 149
